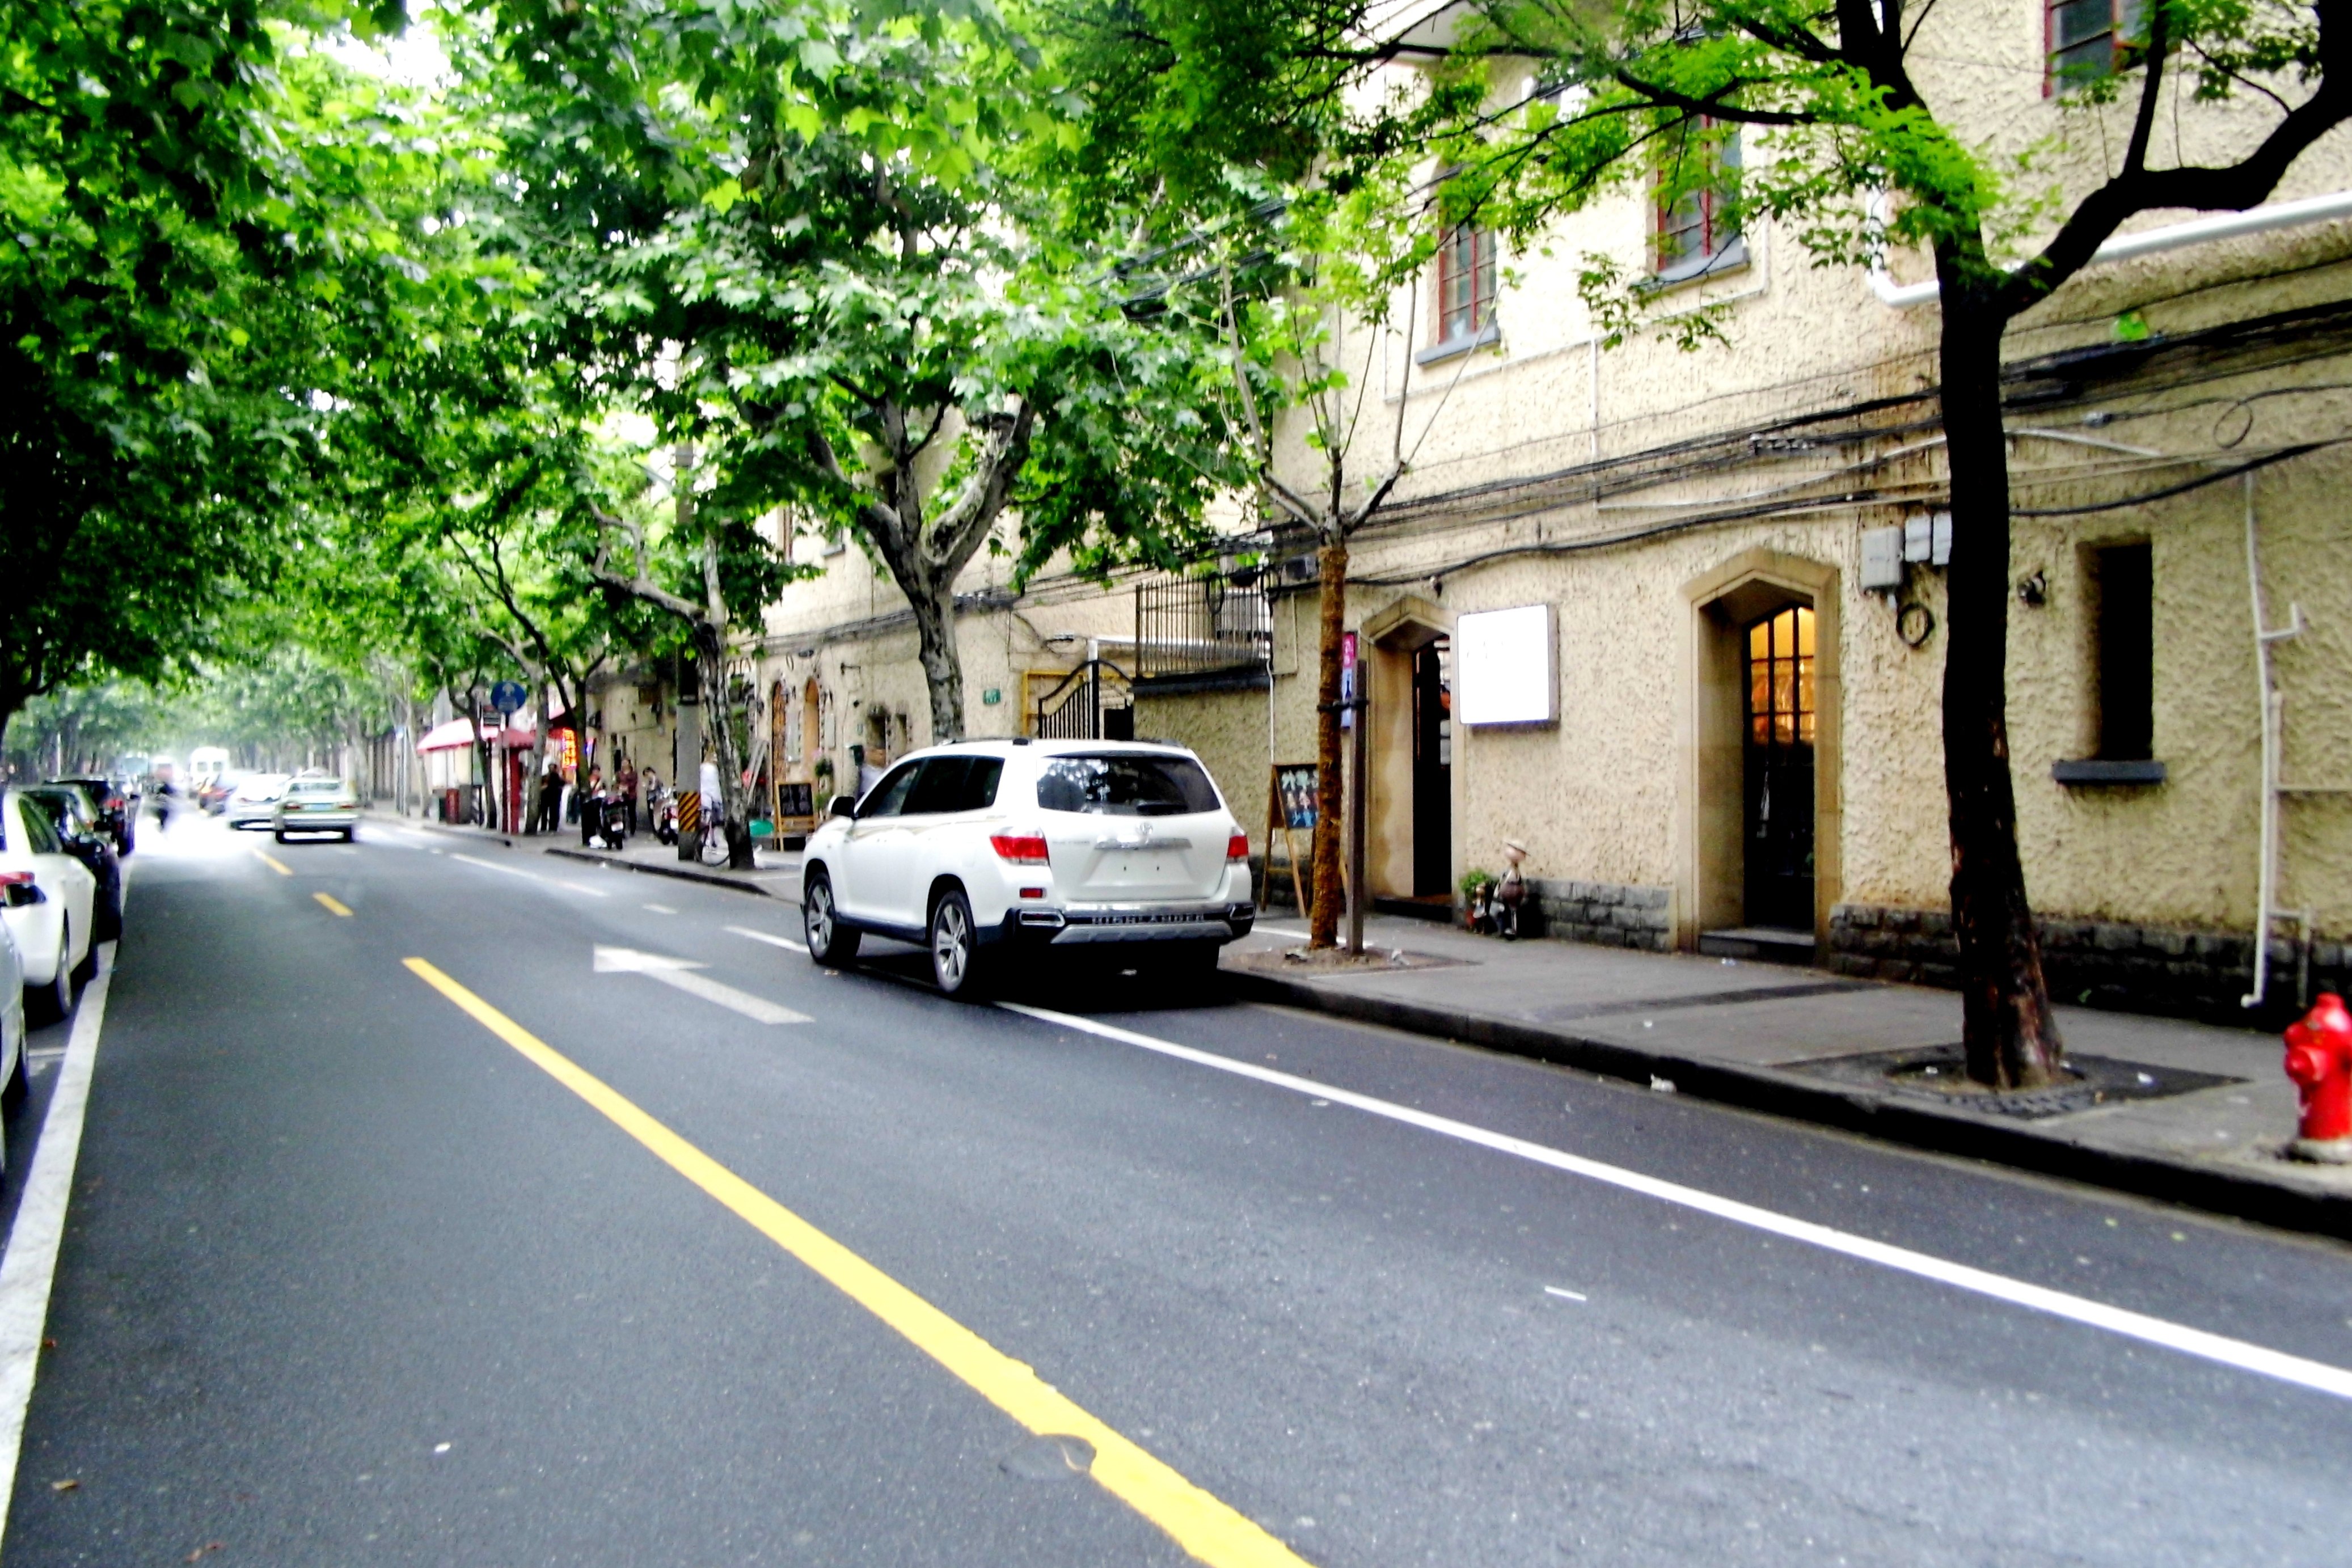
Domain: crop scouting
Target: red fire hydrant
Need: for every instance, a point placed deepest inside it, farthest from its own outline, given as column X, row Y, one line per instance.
column 2319, row 1060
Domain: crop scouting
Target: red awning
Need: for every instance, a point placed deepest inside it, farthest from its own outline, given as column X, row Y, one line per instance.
column 453, row 736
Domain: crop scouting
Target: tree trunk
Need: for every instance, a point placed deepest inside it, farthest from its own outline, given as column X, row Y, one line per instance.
column 935, row 630
column 719, row 734
column 1324, row 929
column 2012, row 1039
column 486, row 792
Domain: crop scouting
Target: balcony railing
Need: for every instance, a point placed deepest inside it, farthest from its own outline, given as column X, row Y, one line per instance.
column 1200, row 625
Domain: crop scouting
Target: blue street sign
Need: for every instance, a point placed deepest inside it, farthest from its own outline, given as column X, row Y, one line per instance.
column 507, row 696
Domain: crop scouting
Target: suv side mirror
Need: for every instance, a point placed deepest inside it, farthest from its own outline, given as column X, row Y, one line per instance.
column 842, row 806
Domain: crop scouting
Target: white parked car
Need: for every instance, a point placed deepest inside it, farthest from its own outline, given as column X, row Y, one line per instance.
column 994, row 853
column 254, row 802
column 47, row 899
column 316, row 806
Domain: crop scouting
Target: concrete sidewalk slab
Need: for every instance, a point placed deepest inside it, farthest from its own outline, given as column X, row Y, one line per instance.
column 777, row 876
column 1755, row 1034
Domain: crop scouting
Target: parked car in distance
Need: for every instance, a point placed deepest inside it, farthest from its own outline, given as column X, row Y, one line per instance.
column 996, row 853
column 69, row 817
column 46, row 899
column 316, row 806
column 254, row 802
column 113, row 805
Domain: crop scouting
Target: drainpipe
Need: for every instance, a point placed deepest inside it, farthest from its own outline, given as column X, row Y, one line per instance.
column 2148, row 241
column 2273, row 707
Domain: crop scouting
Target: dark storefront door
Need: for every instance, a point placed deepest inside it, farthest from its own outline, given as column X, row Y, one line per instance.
column 1778, row 820
column 1432, row 774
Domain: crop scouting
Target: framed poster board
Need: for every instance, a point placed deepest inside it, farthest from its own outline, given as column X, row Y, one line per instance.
column 796, row 806
column 1290, row 802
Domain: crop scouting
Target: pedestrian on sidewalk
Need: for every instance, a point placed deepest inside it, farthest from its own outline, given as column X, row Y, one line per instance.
column 550, row 796
column 592, row 805
column 628, row 782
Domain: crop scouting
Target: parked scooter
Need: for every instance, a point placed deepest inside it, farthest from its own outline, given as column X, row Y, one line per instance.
column 608, row 818
column 666, row 820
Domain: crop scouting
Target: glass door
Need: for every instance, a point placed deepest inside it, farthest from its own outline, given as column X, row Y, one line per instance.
column 1779, row 772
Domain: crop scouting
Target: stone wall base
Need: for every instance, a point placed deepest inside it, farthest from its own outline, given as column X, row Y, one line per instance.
column 2164, row 970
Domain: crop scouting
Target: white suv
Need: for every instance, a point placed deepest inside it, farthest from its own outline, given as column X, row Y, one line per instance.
column 983, row 850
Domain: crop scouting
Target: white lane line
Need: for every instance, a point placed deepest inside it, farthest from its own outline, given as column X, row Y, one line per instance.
column 661, row 909
column 30, row 1266
column 1282, row 930
column 769, row 938
column 530, row 876
column 679, row 973
column 1564, row 1295
column 2317, row 1375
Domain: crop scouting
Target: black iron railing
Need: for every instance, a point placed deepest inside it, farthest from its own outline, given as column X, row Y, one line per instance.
column 1197, row 625
column 1093, row 702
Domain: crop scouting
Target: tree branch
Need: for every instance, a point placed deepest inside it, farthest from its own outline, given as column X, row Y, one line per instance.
column 1712, row 107
column 2246, row 183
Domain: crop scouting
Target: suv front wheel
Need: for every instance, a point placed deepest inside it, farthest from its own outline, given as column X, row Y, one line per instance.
column 956, row 962
column 829, row 942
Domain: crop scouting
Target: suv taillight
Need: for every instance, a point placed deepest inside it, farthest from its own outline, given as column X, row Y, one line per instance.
column 1237, row 847
column 16, row 879
column 1021, row 849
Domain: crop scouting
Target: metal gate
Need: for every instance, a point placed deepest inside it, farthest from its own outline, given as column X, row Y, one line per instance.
column 1093, row 702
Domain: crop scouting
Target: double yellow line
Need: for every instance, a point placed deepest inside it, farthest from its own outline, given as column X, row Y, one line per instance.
column 1199, row 1524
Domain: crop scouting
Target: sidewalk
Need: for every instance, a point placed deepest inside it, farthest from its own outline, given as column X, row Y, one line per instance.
column 2186, row 1112
column 777, row 876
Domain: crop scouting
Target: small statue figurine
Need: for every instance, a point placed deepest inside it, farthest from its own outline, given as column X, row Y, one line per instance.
column 1511, row 892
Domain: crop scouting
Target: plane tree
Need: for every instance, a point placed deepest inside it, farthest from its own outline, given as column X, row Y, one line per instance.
column 801, row 246
column 183, row 280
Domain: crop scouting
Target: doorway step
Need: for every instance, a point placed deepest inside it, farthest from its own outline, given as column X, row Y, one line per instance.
column 1768, row 944
column 1435, row 907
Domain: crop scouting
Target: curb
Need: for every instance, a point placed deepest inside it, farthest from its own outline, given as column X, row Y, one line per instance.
column 423, row 824
column 683, row 873
column 2239, row 1194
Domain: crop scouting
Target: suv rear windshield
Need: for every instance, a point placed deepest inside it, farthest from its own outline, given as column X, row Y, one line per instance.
column 1126, row 784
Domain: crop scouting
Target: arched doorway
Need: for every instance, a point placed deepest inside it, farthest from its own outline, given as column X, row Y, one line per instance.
column 1757, row 820
column 1409, row 848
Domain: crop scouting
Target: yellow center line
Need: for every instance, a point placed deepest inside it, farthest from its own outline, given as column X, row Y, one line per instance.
column 274, row 863
column 335, row 905
column 1207, row 1529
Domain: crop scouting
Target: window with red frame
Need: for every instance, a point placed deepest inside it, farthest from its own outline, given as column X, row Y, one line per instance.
column 1693, row 231
column 2085, row 40
column 1465, row 282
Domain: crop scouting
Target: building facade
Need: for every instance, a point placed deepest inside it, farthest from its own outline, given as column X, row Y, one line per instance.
column 1673, row 619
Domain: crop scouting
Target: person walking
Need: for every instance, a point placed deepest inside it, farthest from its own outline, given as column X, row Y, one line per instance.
column 628, row 782
column 550, row 796
column 591, row 802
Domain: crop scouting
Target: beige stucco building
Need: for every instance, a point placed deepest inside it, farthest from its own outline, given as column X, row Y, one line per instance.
column 2175, row 419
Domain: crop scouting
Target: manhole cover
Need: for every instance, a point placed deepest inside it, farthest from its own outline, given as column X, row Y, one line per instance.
column 1938, row 1072
column 1052, row 1457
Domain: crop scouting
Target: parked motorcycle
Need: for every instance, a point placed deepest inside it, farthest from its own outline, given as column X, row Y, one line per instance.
column 608, row 820
column 665, row 820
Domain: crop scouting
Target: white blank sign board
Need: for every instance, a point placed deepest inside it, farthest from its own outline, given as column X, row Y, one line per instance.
column 1503, row 666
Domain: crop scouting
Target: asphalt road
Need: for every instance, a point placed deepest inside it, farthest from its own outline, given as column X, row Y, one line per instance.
column 351, row 1279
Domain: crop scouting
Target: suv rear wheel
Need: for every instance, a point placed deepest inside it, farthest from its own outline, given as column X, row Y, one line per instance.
column 956, row 962
column 829, row 942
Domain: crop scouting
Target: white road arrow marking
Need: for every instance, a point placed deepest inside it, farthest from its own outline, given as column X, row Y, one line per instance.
column 769, row 938
column 679, row 973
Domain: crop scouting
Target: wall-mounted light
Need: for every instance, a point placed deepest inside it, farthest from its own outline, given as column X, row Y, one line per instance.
column 2033, row 589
